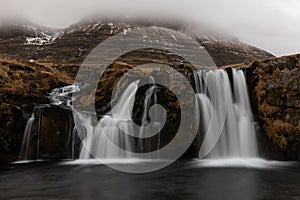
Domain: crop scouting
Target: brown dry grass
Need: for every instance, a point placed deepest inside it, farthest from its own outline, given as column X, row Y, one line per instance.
column 28, row 81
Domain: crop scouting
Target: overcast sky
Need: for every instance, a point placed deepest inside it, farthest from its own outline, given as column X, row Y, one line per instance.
column 273, row 25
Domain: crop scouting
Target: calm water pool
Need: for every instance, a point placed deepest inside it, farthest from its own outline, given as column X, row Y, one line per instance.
column 182, row 180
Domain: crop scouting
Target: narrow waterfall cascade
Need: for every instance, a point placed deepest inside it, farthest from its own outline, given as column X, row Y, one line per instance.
column 27, row 138
column 225, row 115
column 32, row 135
column 150, row 99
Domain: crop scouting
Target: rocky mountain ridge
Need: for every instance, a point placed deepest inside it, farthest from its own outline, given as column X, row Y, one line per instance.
column 71, row 45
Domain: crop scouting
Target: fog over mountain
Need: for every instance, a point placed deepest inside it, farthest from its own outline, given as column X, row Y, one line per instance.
column 272, row 25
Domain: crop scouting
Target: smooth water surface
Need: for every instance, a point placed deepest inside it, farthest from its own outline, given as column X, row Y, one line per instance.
column 183, row 180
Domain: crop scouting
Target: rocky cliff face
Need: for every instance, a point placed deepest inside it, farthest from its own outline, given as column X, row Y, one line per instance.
column 274, row 86
column 22, row 87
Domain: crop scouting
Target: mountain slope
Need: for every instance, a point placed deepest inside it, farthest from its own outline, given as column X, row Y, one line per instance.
column 24, row 41
column 71, row 45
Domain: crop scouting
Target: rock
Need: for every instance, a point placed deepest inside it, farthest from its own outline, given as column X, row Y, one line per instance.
column 274, row 86
column 22, row 86
column 52, row 134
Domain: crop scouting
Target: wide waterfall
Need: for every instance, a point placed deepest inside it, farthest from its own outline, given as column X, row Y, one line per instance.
column 223, row 107
column 225, row 115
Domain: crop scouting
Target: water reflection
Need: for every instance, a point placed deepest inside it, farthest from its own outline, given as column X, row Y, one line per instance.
column 182, row 180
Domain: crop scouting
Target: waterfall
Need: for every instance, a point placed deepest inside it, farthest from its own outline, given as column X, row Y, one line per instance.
column 101, row 141
column 222, row 104
column 225, row 116
column 246, row 125
column 62, row 96
column 34, row 129
column 150, row 99
column 31, row 135
column 26, row 139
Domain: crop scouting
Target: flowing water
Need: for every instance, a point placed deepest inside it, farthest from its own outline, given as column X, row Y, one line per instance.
column 230, row 168
column 34, row 127
column 111, row 132
column 32, row 135
column 27, row 138
column 222, row 105
column 102, row 140
column 226, row 116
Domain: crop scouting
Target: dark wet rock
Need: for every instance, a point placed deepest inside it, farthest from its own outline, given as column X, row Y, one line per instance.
column 274, row 86
column 22, row 87
column 52, row 135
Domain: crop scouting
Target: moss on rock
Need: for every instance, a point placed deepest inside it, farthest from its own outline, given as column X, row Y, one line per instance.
column 275, row 92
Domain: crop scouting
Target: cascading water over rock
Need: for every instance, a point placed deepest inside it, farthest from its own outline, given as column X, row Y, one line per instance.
column 50, row 132
column 222, row 105
column 99, row 141
column 103, row 139
column 226, row 117
column 26, row 139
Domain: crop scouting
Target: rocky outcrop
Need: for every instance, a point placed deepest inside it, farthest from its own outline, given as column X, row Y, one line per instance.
column 22, row 87
column 52, row 135
column 274, row 86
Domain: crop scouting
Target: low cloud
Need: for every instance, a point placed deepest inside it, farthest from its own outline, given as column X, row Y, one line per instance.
column 272, row 25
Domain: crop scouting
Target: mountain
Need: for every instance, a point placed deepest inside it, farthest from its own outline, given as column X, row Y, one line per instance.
column 23, row 41
column 71, row 45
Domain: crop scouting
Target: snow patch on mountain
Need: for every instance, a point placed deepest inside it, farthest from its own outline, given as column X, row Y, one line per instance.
column 43, row 38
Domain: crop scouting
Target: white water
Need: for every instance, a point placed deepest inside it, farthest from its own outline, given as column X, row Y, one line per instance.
column 26, row 138
column 103, row 140
column 144, row 132
column 59, row 97
column 240, row 162
column 62, row 96
column 154, row 124
column 226, row 118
